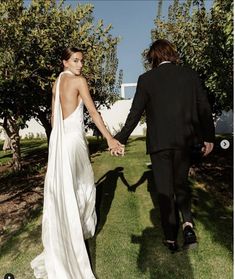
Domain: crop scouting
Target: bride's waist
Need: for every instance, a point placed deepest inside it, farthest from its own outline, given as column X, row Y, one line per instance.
column 74, row 128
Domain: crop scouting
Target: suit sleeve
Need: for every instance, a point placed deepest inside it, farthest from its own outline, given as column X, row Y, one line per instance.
column 204, row 113
column 137, row 109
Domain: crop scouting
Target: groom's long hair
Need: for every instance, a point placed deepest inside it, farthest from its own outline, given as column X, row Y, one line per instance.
column 162, row 50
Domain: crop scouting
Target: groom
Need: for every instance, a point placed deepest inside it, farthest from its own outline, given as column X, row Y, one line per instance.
column 178, row 116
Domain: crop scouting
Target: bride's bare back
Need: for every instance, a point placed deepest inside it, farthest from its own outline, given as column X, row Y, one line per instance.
column 69, row 94
column 72, row 90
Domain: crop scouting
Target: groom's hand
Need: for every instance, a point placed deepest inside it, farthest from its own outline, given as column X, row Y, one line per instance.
column 208, row 147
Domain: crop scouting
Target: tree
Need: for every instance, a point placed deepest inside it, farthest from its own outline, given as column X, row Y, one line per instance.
column 32, row 40
column 13, row 106
column 205, row 42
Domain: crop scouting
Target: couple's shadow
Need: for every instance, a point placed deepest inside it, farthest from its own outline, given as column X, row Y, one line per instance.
column 148, row 177
column 106, row 187
column 153, row 257
column 105, row 191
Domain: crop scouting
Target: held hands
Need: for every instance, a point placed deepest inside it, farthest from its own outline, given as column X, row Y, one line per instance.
column 115, row 147
column 118, row 151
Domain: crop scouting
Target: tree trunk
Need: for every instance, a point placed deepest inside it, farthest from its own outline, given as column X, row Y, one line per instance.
column 12, row 130
column 45, row 123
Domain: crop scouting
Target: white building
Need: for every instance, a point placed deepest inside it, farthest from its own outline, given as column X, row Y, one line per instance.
column 115, row 117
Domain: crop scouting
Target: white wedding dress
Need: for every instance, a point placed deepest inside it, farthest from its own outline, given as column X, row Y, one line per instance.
column 69, row 200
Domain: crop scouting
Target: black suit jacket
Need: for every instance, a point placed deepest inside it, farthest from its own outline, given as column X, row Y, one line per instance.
column 177, row 110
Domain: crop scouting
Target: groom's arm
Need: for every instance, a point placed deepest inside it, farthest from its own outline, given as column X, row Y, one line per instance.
column 137, row 109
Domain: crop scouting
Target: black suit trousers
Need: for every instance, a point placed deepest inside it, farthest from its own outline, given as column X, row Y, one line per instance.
column 170, row 171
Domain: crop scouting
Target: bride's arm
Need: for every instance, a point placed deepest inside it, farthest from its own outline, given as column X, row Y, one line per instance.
column 86, row 97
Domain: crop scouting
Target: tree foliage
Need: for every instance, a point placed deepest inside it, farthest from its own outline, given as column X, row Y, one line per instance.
column 32, row 40
column 204, row 40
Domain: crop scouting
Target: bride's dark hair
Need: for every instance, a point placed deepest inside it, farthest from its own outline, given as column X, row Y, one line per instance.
column 68, row 52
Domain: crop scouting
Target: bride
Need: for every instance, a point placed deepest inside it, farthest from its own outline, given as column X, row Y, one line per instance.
column 69, row 192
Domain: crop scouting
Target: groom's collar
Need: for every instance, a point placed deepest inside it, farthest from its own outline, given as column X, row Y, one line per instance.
column 164, row 62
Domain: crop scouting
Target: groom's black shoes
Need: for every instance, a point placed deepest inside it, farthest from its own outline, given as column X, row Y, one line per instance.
column 190, row 239
column 172, row 246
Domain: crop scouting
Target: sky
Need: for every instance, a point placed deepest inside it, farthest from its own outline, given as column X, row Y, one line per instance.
column 132, row 21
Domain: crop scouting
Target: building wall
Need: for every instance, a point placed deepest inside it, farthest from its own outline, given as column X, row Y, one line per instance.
column 34, row 129
column 115, row 117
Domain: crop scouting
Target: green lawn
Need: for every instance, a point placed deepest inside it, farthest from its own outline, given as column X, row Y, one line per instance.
column 29, row 149
column 128, row 240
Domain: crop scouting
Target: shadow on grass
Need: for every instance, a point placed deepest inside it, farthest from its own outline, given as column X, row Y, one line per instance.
column 153, row 256
column 96, row 146
column 215, row 217
column 105, row 191
column 216, row 172
column 21, row 193
column 15, row 218
column 23, row 237
column 213, row 197
column 30, row 147
column 148, row 177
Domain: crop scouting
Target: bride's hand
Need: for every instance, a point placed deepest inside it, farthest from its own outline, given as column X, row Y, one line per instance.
column 115, row 147
column 117, row 151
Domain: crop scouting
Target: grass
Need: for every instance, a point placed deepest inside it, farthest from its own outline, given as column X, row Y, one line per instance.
column 28, row 146
column 128, row 240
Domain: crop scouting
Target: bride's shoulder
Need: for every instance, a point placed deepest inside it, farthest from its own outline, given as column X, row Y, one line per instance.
column 80, row 80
